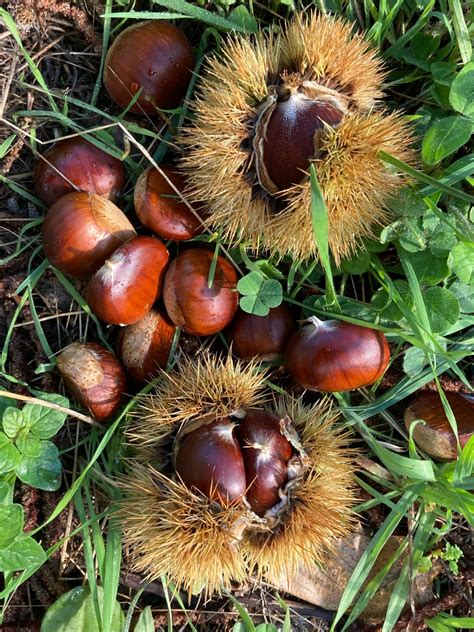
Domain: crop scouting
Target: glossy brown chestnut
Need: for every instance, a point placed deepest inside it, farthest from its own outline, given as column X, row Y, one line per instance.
column 191, row 304
column 159, row 208
column 264, row 337
column 209, row 459
column 436, row 436
column 145, row 346
column 288, row 131
column 94, row 376
column 155, row 56
column 124, row 289
column 81, row 230
column 336, row 356
column 76, row 164
column 266, row 453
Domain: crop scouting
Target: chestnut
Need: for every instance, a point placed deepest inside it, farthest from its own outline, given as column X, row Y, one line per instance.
column 191, row 304
column 266, row 454
column 76, row 164
column 145, row 346
column 81, row 230
column 124, row 289
column 154, row 56
column 264, row 337
column 209, row 458
column 230, row 458
column 160, row 210
column 289, row 130
column 334, row 356
column 94, row 376
column 435, row 435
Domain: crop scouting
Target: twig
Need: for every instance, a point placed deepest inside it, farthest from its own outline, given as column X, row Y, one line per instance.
column 42, row 402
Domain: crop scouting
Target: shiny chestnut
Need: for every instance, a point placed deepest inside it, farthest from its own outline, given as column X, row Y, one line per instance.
column 191, row 304
column 81, row 230
column 263, row 337
column 210, row 459
column 94, row 376
column 230, row 458
column 154, row 56
column 76, row 164
column 159, row 207
column 124, row 289
column 144, row 347
column 336, row 356
column 434, row 434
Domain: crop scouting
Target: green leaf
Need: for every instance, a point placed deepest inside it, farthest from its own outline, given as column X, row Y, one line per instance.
column 429, row 270
column 74, row 611
column 465, row 463
column 389, row 310
column 413, row 361
column 465, row 295
column 359, row 264
column 461, row 261
column 442, row 308
column 45, row 422
column 5, row 402
column 259, row 294
column 22, row 554
column 11, row 524
column 244, row 19
column 407, row 204
column 13, row 421
column 320, row 222
column 43, row 471
column 9, row 455
column 462, row 89
column 29, row 445
column 145, row 621
column 444, row 137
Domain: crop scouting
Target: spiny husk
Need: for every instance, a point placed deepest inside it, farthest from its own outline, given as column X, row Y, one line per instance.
column 354, row 182
column 200, row 545
column 206, row 386
column 171, row 531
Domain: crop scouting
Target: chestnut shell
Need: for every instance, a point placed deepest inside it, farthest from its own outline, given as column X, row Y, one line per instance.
column 160, row 210
column 82, row 163
column 191, row 304
column 335, row 356
column 155, row 56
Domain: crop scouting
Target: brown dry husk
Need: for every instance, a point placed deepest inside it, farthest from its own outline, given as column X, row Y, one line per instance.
column 355, row 183
column 198, row 544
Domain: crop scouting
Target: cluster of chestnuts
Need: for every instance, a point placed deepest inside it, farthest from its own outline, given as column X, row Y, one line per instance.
column 210, row 449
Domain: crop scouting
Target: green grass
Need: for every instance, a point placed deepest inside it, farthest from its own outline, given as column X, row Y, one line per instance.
column 425, row 45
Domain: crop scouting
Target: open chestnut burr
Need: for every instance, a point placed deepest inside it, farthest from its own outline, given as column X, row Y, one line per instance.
column 226, row 481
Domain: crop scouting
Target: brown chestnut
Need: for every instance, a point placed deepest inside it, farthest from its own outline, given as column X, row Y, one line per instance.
column 209, row 458
column 289, row 128
column 155, row 56
column 266, row 453
column 159, row 208
column 435, row 436
column 191, row 304
column 264, row 337
column 76, row 164
column 94, row 376
column 145, row 346
column 81, row 230
column 124, row 289
column 334, row 356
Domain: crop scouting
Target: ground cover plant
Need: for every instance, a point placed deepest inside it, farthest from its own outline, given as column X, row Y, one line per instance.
column 66, row 483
